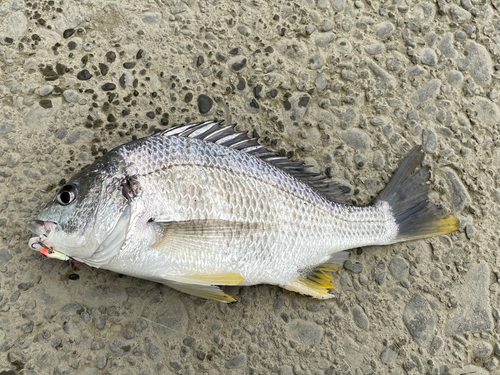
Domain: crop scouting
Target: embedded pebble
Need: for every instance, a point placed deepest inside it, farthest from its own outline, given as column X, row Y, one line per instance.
column 205, row 103
column 325, row 39
column 17, row 25
column 339, row 5
column 320, row 82
column 353, row 267
column 481, row 66
column 473, row 312
column 446, row 46
column 418, row 319
column 379, row 72
column 306, row 332
column 237, row 362
column 46, row 90
column 357, row 139
column 430, row 141
column 384, row 29
column 378, row 161
column 459, row 194
column 399, row 268
column 482, row 349
column 152, row 351
column 455, row 77
column 458, row 14
column 71, row 96
column 360, row 318
column 428, row 92
column 389, row 355
column 5, row 257
column 429, row 57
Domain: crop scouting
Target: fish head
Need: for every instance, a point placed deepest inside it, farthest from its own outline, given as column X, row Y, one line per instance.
column 80, row 219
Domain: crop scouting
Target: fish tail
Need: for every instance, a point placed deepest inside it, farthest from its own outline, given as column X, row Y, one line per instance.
column 407, row 195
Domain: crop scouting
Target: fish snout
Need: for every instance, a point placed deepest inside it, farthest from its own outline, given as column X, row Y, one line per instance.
column 41, row 228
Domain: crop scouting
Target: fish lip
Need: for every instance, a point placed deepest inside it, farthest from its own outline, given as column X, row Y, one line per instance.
column 42, row 228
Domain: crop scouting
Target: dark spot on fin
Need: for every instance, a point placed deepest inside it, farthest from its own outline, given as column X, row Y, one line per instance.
column 211, row 131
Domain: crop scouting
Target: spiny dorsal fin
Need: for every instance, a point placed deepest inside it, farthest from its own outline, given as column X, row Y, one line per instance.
column 211, row 131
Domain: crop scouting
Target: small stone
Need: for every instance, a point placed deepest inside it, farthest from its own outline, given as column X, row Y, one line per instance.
column 393, row 64
column 101, row 361
column 237, row 362
column 357, row 139
column 360, row 318
column 244, row 30
column 455, row 78
column 399, row 268
column 446, row 46
column 46, row 90
column 481, row 66
column 238, row 63
column 384, row 29
column 338, row 5
column 306, row 332
column 378, row 161
column 252, row 105
column 469, row 231
column 458, row 14
column 152, row 17
column 110, row 57
column 482, row 349
column 129, row 65
column 429, row 57
column 459, row 195
column 437, row 346
column 374, row 49
column 17, row 25
column 491, row 364
column 325, row 39
column 119, row 347
column 315, row 62
column 359, row 160
column 418, row 319
column 428, row 92
column 473, row 313
column 389, row 355
column 416, row 71
column 45, row 103
column 205, row 104
column 321, row 82
column 108, row 86
column 68, row 33
column 152, row 351
column 84, row 75
column 377, row 121
column 71, row 96
column 380, row 73
column 353, row 267
column 430, row 141
column 343, row 45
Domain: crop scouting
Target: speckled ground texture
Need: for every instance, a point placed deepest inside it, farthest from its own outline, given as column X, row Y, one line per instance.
column 348, row 87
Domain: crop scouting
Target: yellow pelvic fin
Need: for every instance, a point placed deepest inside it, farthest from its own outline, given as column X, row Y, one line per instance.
column 230, row 278
column 317, row 284
column 203, row 291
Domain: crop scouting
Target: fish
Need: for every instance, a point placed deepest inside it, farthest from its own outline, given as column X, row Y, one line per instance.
column 201, row 206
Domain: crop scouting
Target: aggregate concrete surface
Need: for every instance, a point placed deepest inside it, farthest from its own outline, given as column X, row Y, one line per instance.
column 347, row 86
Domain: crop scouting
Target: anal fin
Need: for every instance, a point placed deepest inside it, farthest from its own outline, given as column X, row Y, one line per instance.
column 317, row 284
column 230, row 278
column 203, row 291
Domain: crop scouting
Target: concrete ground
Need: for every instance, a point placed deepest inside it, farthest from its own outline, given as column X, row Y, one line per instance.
column 348, row 86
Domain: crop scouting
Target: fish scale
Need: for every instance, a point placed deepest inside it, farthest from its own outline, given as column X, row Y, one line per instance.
column 198, row 206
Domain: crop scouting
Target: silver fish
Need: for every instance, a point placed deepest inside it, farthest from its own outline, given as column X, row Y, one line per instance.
column 199, row 205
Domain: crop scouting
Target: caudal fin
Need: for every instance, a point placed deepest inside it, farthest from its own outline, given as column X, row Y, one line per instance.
column 408, row 196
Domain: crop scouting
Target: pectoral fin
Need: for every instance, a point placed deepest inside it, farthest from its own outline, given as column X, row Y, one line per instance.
column 203, row 291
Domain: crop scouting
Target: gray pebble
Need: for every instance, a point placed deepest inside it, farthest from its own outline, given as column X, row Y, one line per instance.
column 455, row 78
column 380, row 73
column 399, row 268
column 430, row 141
column 119, row 347
column 100, row 321
column 141, row 325
column 252, row 105
column 359, row 160
column 446, row 46
column 237, row 362
column 436, row 275
column 428, row 92
column 152, row 351
column 377, row 121
column 181, row 7
column 153, row 17
column 306, row 332
column 461, row 36
column 436, row 346
column 360, row 318
column 101, row 361
column 343, row 45
column 353, row 267
column 17, row 25
column 321, row 82
column 491, row 364
column 429, row 57
column 481, row 66
column 79, row 134
column 418, row 319
column 357, row 139
column 128, row 334
column 46, row 90
column 378, row 160
column 205, row 104
column 486, row 112
column 458, row 14
column 459, row 195
column 469, row 231
column 315, row 62
column 338, row 5
column 244, row 30
column 416, row 71
column 5, row 257
column 238, row 63
column 348, row 75
column 384, row 29
column 323, row 4
column 61, row 133
column 389, row 355
column 374, row 49
column 392, row 64
column 482, row 349
column 71, row 96
column 324, row 40
column 474, row 313
column 326, row 26
column 310, row 29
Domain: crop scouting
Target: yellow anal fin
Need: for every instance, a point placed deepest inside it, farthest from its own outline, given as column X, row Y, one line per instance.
column 230, row 278
column 317, row 284
column 203, row 291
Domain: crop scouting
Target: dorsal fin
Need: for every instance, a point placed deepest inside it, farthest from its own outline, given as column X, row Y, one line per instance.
column 211, row 131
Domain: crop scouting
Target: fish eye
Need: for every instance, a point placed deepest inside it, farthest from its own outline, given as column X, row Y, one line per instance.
column 66, row 195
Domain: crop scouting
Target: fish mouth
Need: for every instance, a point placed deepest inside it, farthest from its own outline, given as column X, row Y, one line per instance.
column 43, row 230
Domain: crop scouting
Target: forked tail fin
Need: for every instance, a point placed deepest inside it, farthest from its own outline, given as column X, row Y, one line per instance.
column 408, row 196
